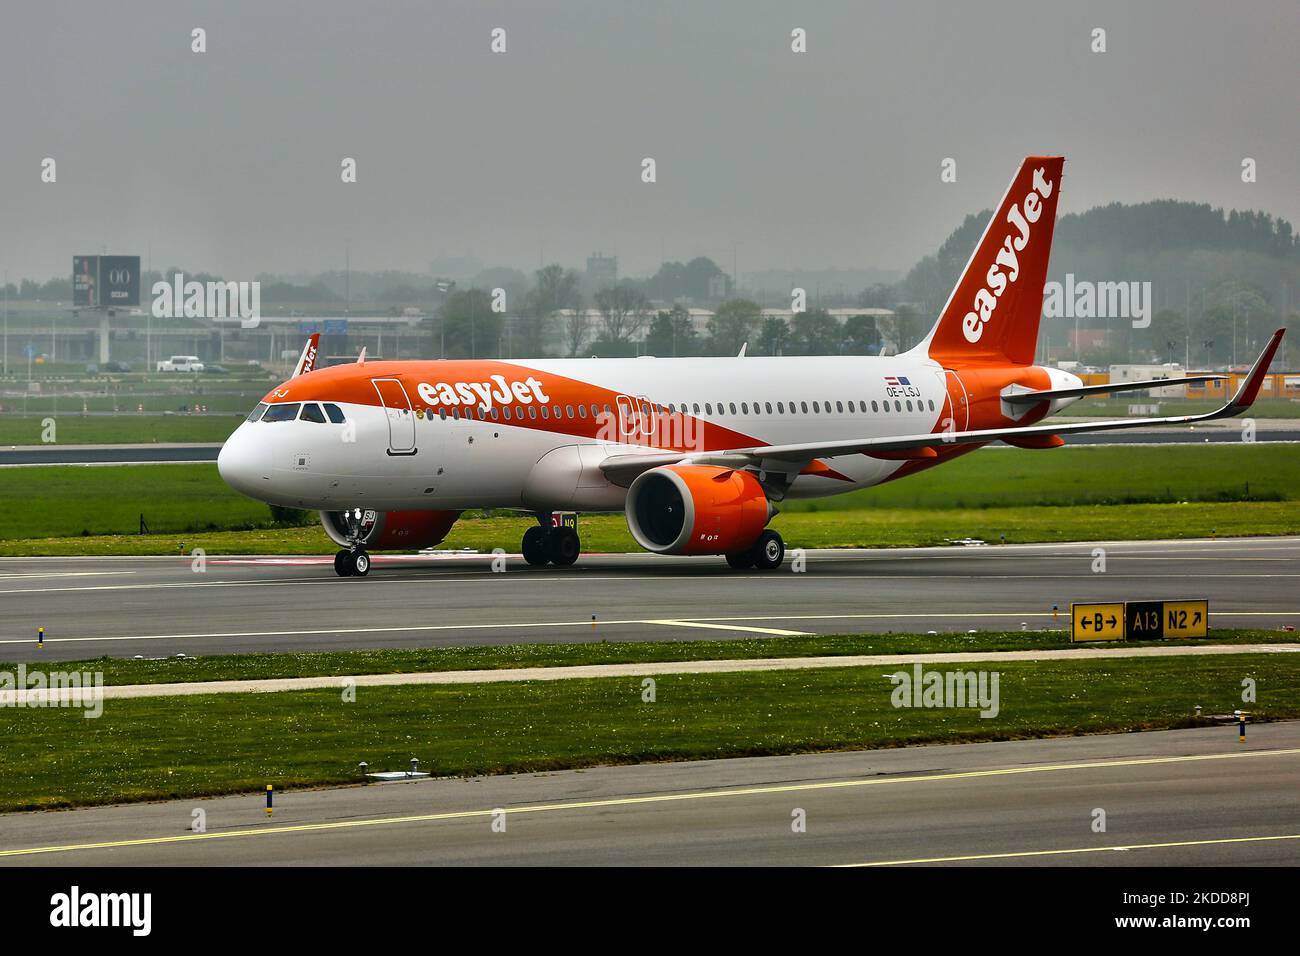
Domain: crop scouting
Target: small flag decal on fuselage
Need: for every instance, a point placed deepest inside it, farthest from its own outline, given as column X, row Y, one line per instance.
column 896, row 380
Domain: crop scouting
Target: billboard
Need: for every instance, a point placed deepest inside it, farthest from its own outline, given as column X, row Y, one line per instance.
column 325, row 327
column 105, row 281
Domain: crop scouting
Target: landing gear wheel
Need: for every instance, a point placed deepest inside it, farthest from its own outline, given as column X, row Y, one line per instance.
column 564, row 547
column 535, row 546
column 341, row 563
column 358, row 564
column 741, row 560
column 768, row 551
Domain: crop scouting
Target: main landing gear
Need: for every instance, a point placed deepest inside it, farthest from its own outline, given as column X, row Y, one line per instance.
column 353, row 563
column 766, row 554
column 546, row 545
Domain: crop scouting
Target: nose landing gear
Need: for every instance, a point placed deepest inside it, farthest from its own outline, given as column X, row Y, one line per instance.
column 354, row 563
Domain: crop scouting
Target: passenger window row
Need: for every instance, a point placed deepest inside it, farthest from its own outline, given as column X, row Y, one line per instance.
column 816, row 407
column 516, row 412
column 558, row 412
column 329, row 412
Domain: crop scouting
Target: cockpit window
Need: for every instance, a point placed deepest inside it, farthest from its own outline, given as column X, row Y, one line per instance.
column 311, row 413
column 256, row 413
column 281, row 413
column 335, row 413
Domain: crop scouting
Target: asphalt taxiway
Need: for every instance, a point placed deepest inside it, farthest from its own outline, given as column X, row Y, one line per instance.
column 1171, row 798
column 163, row 606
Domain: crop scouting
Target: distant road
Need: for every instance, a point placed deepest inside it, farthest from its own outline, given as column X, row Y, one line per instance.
column 106, row 454
column 163, row 453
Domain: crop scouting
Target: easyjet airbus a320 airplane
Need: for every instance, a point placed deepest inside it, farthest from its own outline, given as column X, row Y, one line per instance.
column 698, row 452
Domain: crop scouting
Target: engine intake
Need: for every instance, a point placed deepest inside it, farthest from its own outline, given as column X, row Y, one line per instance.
column 696, row 509
column 379, row 530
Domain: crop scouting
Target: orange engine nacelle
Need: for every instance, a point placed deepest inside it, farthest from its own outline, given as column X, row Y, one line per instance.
column 380, row 530
column 696, row 509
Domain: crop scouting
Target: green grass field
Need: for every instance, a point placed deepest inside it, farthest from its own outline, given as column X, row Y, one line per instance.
column 1087, row 474
column 1084, row 493
column 857, row 528
column 69, row 500
column 148, row 749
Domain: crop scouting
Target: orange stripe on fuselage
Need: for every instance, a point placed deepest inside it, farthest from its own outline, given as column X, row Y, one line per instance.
column 819, row 469
column 981, row 391
column 353, row 384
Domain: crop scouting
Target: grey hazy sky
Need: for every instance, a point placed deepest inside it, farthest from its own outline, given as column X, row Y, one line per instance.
column 229, row 161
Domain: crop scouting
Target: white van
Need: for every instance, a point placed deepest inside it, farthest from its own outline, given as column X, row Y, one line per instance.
column 181, row 363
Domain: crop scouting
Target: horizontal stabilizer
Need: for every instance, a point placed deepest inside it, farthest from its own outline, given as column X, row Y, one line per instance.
column 1017, row 396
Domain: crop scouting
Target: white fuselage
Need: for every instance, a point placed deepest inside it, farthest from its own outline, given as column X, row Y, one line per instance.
column 392, row 458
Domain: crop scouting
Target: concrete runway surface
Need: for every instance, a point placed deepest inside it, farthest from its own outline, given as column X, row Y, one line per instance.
column 159, row 606
column 1176, row 798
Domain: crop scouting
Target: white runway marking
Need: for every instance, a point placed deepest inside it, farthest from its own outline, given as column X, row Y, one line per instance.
column 520, row 576
column 441, row 557
column 1020, row 854
column 18, row 575
column 515, row 625
column 734, row 627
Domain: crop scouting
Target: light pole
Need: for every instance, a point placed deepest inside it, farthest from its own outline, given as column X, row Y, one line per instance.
column 1235, row 303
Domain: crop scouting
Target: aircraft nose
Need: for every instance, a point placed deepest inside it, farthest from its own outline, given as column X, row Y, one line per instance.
column 244, row 462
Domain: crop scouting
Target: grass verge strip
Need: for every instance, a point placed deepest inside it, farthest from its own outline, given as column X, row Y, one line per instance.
column 157, row 748
column 272, row 666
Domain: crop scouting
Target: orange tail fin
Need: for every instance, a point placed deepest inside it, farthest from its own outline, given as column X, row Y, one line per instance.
column 307, row 360
column 992, row 316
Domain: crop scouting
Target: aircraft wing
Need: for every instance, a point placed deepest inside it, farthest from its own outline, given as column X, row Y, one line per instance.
column 793, row 456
